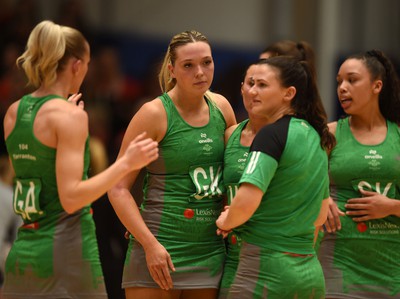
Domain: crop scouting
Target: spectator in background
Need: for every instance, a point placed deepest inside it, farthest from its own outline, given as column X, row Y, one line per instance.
column 23, row 16
column 71, row 13
column 12, row 82
column 9, row 221
column 12, row 79
column 114, row 96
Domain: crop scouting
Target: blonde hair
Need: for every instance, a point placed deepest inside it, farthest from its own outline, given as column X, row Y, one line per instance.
column 48, row 49
column 181, row 39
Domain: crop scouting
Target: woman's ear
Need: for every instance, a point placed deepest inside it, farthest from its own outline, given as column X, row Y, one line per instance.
column 171, row 70
column 290, row 93
column 76, row 66
column 377, row 86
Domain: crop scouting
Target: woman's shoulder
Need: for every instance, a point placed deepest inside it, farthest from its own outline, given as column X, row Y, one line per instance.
column 229, row 131
column 224, row 106
column 65, row 116
column 10, row 118
column 154, row 107
column 12, row 109
column 332, row 127
column 151, row 118
column 217, row 98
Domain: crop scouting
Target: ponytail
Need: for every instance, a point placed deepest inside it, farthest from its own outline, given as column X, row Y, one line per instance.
column 48, row 48
column 381, row 68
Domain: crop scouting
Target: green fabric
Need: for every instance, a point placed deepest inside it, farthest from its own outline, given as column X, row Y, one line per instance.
column 55, row 252
column 293, row 190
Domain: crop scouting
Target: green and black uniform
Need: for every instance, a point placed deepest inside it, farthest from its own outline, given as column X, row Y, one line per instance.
column 277, row 258
column 55, row 254
column 182, row 200
column 362, row 260
column 235, row 158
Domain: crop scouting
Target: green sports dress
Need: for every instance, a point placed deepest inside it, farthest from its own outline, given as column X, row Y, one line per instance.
column 182, row 200
column 55, row 254
column 362, row 260
column 235, row 158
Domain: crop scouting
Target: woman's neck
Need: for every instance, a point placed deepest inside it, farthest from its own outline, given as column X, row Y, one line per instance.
column 187, row 102
column 367, row 123
column 259, row 121
column 53, row 89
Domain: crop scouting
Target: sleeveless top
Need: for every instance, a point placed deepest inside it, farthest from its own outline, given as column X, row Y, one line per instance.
column 54, row 250
column 235, row 159
column 362, row 259
column 182, row 199
column 34, row 165
column 373, row 168
column 183, row 187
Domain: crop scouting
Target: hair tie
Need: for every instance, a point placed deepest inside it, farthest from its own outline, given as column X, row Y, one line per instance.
column 378, row 56
column 371, row 53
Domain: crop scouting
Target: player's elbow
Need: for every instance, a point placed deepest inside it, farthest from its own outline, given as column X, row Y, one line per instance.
column 68, row 205
column 115, row 192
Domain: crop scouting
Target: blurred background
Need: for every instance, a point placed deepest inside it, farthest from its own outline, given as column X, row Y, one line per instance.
column 129, row 38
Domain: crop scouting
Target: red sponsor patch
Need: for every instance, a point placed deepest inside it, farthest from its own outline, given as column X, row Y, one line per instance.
column 362, row 227
column 188, row 213
column 33, row 225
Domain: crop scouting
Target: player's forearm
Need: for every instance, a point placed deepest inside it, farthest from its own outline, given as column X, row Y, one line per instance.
column 129, row 214
column 78, row 194
column 395, row 207
column 243, row 206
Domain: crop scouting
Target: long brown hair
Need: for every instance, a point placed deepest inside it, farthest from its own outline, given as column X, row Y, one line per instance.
column 307, row 103
column 380, row 67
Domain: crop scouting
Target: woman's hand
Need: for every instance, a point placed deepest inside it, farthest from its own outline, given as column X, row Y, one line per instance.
column 222, row 230
column 76, row 100
column 141, row 151
column 371, row 206
column 159, row 263
column 332, row 223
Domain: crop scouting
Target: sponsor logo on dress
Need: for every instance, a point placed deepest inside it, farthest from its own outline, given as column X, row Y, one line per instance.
column 201, row 215
column 373, row 158
column 207, row 141
column 383, row 228
column 244, row 158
